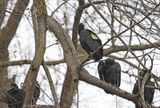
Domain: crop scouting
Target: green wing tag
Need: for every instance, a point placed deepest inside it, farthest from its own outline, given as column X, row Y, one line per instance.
column 93, row 36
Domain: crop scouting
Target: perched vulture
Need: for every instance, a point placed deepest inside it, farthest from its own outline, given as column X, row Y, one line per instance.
column 15, row 96
column 110, row 72
column 148, row 92
column 90, row 42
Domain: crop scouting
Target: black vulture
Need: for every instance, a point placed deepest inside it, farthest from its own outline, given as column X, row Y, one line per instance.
column 148, row 92
column 110, row 72
column 36, row 93
column 90, row 42
column 15, row 96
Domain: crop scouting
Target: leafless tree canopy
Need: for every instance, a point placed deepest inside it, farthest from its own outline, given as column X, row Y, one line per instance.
column 39, row 40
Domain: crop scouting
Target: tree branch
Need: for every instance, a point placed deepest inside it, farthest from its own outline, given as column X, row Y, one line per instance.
column 9, row 30
column 85, row 76
column 53, row 90
column 6, row 35
column 132, row 47
column 72, row 61
column 23, row 62
column 77, row 18
column 106, row 53
column 43, row 106
column 38, row 16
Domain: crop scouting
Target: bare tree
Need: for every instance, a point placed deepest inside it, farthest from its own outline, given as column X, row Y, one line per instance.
column 129, row 31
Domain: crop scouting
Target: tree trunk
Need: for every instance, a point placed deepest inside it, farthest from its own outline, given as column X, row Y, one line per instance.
column 6, row 35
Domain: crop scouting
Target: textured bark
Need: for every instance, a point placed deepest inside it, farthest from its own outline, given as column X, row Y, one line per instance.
column 38, row 15
column 3, row 5
column 71, row 58
column 68, row 91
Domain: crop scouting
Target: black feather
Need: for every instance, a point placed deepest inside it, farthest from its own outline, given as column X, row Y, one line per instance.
column 90, row 42
column 110, row 72
column 15, row 96
column 148, row 92
column 36, row 92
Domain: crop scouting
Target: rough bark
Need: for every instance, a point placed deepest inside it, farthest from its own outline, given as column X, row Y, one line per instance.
column 38, row 13
column 3, row 5
column 68, row 91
